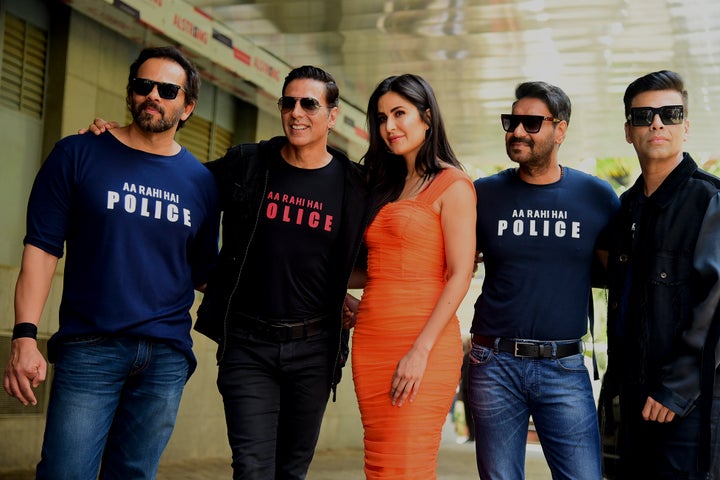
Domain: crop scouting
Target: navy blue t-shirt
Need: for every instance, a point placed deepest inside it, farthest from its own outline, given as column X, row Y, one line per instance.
column 538, row 243
column 140, row 231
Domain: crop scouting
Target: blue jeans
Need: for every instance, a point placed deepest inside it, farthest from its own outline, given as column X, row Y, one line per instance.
column 113, row 404
column 505, row 391
column 275, row 394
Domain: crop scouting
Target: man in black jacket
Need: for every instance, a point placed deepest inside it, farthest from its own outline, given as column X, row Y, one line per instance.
column 294, row 211
column 664, row 292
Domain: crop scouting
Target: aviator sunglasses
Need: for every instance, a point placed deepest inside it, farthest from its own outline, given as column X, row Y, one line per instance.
column 531, row 123
column 143, row 86
column 644, row 116
column 309, row 104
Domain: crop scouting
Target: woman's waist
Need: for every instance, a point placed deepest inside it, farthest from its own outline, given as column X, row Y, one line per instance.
column 405, row 280
column 379, row 333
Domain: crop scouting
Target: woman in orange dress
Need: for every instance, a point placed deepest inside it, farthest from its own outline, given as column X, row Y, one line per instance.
column 407, row 349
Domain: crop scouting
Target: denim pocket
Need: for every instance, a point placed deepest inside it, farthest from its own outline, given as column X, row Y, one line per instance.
column 573, row 363
column 74, row 344
column 84, row 340
column 479, row 355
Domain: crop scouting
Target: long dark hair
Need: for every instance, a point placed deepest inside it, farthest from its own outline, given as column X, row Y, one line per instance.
column 387, row 171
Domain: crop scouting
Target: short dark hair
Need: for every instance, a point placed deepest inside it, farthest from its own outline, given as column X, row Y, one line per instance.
column 660, row 80
column 332, row 91
column 554, row 97
column 192, row 80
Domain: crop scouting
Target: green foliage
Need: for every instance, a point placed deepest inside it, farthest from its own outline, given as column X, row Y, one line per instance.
column 712, row 165
column 620, row 172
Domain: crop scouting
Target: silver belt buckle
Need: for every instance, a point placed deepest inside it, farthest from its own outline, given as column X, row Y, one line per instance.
column 516, row 349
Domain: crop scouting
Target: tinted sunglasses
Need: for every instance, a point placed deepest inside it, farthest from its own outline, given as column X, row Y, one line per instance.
column 309, row 104
column 143, row 86
column 531, row 123
column 644, row 116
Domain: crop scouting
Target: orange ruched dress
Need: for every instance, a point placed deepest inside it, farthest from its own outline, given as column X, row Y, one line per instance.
column 406, row 274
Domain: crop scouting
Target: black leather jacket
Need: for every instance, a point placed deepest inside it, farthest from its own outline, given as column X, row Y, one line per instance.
column 659, row 321
column 242, row 176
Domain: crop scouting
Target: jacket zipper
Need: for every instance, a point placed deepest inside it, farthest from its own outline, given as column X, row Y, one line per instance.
column 242, row 266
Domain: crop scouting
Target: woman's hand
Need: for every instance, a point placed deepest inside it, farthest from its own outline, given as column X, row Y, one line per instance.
column 408, row 376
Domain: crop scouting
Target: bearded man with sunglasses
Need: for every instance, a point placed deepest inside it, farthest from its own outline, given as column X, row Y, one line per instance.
column 539, row 228
column 139, row 217
column 664, row 291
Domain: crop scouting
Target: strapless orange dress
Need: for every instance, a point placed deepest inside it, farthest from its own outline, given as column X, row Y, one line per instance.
column 406, row 274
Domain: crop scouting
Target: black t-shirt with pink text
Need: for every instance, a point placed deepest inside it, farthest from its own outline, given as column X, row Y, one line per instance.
column 288, row 266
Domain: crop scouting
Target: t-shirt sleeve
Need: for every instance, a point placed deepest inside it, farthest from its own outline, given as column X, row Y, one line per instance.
column 611, row 202
column 205, row 248
column 49, row 204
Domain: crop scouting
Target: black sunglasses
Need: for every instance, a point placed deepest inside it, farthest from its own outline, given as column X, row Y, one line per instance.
column 309, row 104
column 644, row 116
column 143, row 86
column 531, row 123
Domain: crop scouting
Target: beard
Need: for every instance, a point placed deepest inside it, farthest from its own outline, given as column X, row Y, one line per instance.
column 147, row 121
column 537, row 157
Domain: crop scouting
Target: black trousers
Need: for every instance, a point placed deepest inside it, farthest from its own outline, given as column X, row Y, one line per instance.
column 275, row 394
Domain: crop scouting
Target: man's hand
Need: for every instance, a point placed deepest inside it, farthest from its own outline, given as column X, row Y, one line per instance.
column 350, row 311
column 478, row 260
column 657, row 412
column 99, row 126
column 25, row 370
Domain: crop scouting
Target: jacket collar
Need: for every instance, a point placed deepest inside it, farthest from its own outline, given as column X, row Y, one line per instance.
column 667, row 189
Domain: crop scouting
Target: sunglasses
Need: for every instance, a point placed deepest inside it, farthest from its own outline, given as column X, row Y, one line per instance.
column 309, row 104
column 644, row 116
column 143, row 86
column 531, row 123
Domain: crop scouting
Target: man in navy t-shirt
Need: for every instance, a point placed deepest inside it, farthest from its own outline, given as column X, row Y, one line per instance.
column 138, row 216
column 539, row 227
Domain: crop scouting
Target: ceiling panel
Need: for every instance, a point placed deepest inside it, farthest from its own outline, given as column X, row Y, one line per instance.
column 475, row 52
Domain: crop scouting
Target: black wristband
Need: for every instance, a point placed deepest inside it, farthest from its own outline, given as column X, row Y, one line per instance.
column 24, row 330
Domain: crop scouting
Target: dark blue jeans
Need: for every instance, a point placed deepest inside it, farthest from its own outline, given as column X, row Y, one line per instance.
column 505, row 391
column 113, row 402
column 275, row 394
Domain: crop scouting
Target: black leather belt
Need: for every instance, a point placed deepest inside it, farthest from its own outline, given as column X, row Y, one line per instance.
column 280, row 331
column 530, row 348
